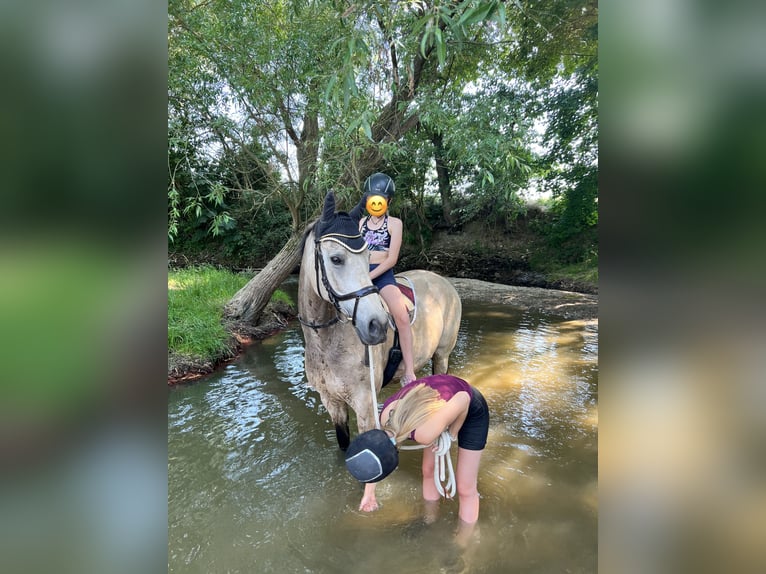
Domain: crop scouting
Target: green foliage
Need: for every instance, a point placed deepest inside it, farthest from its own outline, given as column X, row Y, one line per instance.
column 573, row 174
column 547, row 260
column 554, row 37
column 250, row 240
column 256, row 138
column 585, row 270
column 574, row 229
column 196, row 296
column 498, row 208
column 351, row 77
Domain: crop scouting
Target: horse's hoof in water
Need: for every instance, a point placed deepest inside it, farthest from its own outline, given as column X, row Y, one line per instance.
column 343, row 437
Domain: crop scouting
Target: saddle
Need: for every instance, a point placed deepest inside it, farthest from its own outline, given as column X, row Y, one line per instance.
column 395, row 352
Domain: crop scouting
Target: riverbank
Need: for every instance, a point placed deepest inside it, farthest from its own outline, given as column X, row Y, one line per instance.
column 514, row 267
column 569, row 305
column 519, row 257
column 184, row 368
column 199, row 340
column 278, row 314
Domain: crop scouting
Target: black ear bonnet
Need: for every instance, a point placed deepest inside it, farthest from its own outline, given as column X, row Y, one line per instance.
column 339, row 226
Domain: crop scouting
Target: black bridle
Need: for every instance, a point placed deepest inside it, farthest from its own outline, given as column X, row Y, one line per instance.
column 335, row 297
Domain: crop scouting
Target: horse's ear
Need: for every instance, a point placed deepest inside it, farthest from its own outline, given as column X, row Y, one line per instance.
column 358, row 210
column 329, row 206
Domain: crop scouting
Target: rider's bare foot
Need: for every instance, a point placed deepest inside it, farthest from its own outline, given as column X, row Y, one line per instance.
column 408, row 378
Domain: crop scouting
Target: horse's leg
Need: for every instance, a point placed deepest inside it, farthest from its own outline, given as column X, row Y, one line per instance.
column 361, row 402
column 339, row 414
column 440, row 359
column 439, row 363
column 343, row 435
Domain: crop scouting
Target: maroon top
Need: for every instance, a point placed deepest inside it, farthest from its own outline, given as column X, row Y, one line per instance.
column 447, row 385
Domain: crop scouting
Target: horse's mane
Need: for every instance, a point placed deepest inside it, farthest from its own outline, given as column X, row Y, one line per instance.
column 309, row 228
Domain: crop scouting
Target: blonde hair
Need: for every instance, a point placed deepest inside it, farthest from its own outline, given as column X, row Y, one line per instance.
column 413, row 408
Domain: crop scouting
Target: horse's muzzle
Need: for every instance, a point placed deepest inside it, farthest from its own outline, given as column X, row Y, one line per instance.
column 373, row 333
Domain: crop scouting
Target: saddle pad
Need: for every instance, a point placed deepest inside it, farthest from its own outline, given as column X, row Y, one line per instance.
column 408, row 290
column 406, row 287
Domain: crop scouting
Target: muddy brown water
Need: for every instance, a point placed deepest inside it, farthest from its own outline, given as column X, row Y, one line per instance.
column 256, row 483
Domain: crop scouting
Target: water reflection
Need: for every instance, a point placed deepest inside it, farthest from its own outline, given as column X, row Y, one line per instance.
column 257, row 484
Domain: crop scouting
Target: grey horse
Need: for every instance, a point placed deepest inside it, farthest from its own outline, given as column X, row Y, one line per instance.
column 341, row 314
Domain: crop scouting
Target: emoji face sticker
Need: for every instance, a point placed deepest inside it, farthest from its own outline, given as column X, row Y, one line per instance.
column 377, row 205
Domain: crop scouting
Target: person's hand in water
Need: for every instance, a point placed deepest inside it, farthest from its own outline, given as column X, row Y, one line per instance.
column 369, row 503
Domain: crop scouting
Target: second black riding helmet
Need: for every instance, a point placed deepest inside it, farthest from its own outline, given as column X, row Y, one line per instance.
column 379, row 184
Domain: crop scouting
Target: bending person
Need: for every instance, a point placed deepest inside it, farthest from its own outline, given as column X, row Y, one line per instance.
column 421, row 411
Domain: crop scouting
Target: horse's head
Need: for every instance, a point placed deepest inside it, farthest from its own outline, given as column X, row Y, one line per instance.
column 342, row 277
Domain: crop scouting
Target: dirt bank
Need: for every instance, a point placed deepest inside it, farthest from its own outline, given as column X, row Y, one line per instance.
column 567, row 304
column 514, row 257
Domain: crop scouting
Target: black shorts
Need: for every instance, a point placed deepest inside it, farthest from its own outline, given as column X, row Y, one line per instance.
column 386, row 278
column 473, row 433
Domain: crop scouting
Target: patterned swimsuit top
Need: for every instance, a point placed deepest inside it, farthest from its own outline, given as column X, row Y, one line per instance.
column 377, row 239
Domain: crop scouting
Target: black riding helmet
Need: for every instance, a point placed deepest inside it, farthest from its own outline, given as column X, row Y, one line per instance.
column 379, row 184
column 372, row 456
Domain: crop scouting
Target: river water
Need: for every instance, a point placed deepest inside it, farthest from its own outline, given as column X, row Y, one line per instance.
column 257, row 484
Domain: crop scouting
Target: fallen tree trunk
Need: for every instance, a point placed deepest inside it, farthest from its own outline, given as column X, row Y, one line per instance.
column 248, row 303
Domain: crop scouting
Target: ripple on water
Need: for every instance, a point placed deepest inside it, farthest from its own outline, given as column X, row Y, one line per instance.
column 256, row 481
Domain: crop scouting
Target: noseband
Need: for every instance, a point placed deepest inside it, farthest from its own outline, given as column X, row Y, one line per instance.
column 335, row 297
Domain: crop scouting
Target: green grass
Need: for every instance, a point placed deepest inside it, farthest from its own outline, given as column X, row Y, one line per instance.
column 196, row 297
column 281, row 296
column 543, row 260
column 584, row 272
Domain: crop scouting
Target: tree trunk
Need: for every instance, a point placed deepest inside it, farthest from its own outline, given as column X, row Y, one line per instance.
column 442, row 174
column 249, row 302
column 392, row 122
